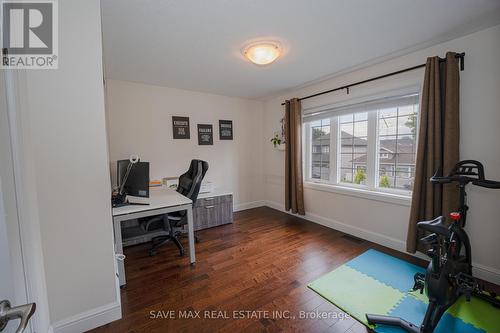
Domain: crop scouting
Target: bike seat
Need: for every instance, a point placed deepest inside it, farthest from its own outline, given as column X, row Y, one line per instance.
column 435, row 226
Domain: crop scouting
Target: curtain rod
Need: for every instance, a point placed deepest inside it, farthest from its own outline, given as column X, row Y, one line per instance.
column 459, row 56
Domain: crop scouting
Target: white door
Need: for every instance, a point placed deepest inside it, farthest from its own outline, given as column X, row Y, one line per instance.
column 12, row 274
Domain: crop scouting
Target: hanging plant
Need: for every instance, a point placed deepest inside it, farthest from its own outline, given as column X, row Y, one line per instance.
column 276, row 140
column 282, row 122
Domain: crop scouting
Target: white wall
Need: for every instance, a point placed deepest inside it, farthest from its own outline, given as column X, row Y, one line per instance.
column 66, row 124
column 480, row 118
column 140, row 121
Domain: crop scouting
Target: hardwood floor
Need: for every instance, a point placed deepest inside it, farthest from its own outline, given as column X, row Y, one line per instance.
column 261, row 262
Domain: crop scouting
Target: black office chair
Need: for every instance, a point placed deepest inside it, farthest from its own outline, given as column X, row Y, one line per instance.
column 189, row 186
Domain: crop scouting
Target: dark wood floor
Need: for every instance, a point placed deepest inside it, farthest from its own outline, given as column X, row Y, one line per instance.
column 261, row 262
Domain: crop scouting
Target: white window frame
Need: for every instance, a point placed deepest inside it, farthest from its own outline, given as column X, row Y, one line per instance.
column 370, row 190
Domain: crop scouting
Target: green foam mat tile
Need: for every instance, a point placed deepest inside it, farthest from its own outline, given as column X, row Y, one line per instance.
column 347, row 288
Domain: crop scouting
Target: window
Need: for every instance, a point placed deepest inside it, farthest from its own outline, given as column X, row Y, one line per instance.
column 397, row 135
column 370, row 145
column 353, row 132
column 320, row 141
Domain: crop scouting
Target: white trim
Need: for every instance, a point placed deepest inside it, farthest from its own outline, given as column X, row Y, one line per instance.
column 336, row 144
column 486, row 273
column 248, row 205
column 372, row 150
column 88, row 320
column 306, row 150
column 393, row 198
column 27, row 202
column 346, row 228
column 481, row 271
column 364, row 103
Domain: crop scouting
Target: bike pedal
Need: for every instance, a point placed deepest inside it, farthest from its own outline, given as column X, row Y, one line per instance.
column 419, row 284
column 467, row 295
column 466, row 284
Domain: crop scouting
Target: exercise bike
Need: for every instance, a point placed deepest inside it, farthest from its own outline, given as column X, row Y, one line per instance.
column 449, row 274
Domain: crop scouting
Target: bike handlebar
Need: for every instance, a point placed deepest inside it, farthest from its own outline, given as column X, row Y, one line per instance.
column 464, row 172
column 486, row 183
column 440, row 180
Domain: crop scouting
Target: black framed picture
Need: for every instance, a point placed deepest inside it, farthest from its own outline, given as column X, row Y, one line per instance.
column 180, row 127
column 225, row 129
column 205, row 134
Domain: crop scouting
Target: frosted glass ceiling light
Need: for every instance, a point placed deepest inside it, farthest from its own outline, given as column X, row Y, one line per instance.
column 262, row 53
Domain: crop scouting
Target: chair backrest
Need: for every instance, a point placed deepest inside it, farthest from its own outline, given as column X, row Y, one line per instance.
column 190, row 181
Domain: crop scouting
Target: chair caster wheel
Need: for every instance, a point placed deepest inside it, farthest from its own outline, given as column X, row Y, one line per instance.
column 181, row 253
column 152, row 253
column 196, row 239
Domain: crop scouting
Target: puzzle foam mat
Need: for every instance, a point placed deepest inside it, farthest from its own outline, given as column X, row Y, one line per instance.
column 378, row 283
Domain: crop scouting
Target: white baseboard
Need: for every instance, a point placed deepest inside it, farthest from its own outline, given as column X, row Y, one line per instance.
column 483, row 272
column 90, row 319
column 486, row 273
column 248, row 205
column 346, row 228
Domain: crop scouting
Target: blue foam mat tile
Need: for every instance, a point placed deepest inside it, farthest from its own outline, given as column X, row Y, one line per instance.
column 413, row 310
column 386, row 269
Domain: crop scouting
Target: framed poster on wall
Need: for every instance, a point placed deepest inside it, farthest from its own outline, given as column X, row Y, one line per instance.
column 180, row 127
column 225, row 129
column 205, row 135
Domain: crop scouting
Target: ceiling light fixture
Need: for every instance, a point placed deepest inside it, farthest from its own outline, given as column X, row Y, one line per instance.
column 262, row 53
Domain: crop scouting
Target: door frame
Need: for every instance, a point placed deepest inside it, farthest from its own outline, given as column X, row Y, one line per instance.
column 26, row 199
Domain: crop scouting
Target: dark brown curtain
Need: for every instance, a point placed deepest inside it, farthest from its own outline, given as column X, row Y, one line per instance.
column 294, row 190
column 438, row 145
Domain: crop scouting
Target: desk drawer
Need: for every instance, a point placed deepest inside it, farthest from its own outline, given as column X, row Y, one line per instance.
column 212, row 215
column 205, row 216
column 215, row 200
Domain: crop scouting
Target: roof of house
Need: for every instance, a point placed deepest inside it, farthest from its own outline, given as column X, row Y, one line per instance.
column 345, row 137
column 405, row 151
column 405, row 148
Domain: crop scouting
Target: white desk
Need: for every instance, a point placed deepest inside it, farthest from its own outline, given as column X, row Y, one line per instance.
column 161, row 201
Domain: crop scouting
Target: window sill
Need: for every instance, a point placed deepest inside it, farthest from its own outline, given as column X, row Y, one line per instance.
column 394, row 198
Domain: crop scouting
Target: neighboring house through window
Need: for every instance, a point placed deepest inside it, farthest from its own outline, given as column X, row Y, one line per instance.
column 370, row 145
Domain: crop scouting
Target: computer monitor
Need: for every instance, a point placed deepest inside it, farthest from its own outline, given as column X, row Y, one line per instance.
column 137, row 183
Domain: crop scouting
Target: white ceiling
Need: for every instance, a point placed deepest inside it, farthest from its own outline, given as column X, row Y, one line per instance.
column 195, row 44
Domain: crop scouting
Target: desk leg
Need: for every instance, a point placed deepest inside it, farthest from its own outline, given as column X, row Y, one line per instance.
column 117, row 226
column 192, row 255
